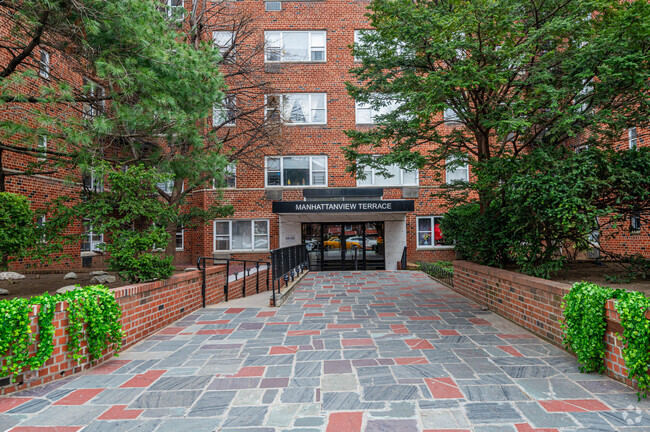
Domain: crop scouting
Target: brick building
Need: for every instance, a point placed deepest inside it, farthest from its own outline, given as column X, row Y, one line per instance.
column 303, row 193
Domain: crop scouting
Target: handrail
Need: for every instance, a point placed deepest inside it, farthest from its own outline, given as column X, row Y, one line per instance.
column 288, row 262
column 227, row 262
column 403, row 261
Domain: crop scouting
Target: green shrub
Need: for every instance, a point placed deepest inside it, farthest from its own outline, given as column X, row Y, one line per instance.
column 134, row 256
column 478, row 237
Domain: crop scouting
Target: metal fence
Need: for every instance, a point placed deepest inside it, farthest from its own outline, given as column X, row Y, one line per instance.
column 403, row 261
column 233, row 268
column 439, row 272
column 286, row 264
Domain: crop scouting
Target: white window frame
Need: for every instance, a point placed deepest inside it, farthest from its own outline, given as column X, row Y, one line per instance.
column 42, row 147
column 635, row 222
column 231, row 169
column 372, row 174
column 357, row 40
column 362, row 106
column 449, row 160
column 229, row 38
column 276, row 46
column 89, row 233
column 311, row 171
column 182, row 233
column 449, row 116
column 172, row 10
column 96, row 183
column 44, row 64
column 282, row 99
column 229, row 235
column 225, row 113
column 633, row 138
column 40, row 223
column 93, row 109
column 432, row 233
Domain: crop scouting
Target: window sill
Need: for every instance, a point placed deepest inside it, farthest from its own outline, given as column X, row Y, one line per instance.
column 90, row 253
column 388, row 186
column 423, row 248
column 179, row 249
column 304, row 124
column 294, row 62
column 294, row 187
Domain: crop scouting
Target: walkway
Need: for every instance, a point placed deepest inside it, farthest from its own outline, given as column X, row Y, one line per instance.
column 375, row 351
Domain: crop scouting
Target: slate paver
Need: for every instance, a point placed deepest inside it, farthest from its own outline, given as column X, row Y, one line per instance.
column 382, row 351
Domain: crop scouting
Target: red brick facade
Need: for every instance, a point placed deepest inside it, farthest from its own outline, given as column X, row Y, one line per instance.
column 535, row 304
column 339, row 19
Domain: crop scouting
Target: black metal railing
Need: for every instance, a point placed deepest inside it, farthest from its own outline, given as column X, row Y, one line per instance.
column 403, row 262
column 286, row 264
column 233, row 268
column 443, row 273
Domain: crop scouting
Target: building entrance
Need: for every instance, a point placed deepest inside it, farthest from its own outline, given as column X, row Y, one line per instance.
column 345, row 246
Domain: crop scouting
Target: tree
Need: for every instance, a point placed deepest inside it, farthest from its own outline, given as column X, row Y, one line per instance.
column 145, row 97
column 17, row 232
column 478, row 80
column 132, row 218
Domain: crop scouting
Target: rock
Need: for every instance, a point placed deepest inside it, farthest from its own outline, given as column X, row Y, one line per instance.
column 189, row 269
column 3, row 291
column 67, row 288
column 71, row 275
column 11, row 275
column 98, row 273
column 102, row 279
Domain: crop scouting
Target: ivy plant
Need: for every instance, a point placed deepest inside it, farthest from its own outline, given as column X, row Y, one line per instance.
column 584, row 323
column 636, row 338
column 94, row 307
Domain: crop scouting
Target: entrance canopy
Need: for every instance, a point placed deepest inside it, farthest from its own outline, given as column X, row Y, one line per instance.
column 344, row 207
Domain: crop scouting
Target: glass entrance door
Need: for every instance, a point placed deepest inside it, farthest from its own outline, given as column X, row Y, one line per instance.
column 345, row 246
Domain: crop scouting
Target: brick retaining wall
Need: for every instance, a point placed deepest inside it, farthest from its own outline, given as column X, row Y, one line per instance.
column 146, row 308
column 535, row 304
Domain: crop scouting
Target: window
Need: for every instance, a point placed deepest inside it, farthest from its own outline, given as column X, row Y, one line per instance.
column 40, row 225
column 92, row 108
column 225, row 113
column 450, row 116
column 243, row 235
column 633, row 138
column 635, row 221
column 359, row 40
column 44, row 65
column 229, row 178
column 297, row 108
column 175, row 9
column 429, row 233
column 91, row 241
column 399, row 177
column 295, row 46
column 180, row 239
column 93, row 182
column 272, row 6
column 584, row 95
column 365, row 114
column 224, row 40
column 296, row 171
column 455, row 171
column 581, row 148
column 42, row 147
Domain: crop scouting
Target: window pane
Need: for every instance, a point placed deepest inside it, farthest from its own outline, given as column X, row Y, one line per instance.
column 410, row 177
column 386, row 181
column 318, row 101
column 273, row 179
column 222, row 243
column 424, row 224
column 273, row 164
column 424, row 239
column 364, row 114
column 319, row 178
column 318, row 163
column 296, row 171
column 261, row 242
column 221, row 228
column 438, row 237
column 368, row 180
column 241, row 235
column 318, row 116
column 296, row 108
column 261, row 227
column 318, row 39
column 317, row 55
column 295, row 46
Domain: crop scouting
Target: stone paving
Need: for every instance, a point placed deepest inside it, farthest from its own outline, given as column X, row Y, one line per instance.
column 350, row 351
